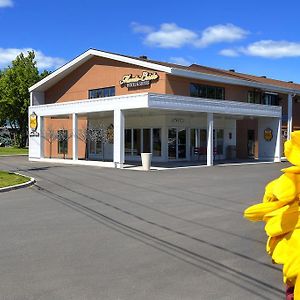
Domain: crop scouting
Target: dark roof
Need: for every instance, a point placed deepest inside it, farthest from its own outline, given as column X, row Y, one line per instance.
column 221, row 72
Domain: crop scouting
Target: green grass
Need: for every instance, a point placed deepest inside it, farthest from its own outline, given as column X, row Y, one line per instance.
column 8, row 179
column 12, row 151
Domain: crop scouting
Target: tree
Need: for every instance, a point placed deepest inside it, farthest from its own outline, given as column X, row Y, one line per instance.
column 14, row 96
column 83, row 135
column 50, row 135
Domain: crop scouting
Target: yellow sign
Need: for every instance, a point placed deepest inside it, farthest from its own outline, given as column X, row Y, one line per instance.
column 33, row 122
column 139, row 80
column 268, row 134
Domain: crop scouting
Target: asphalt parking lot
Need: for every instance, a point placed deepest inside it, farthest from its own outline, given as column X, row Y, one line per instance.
column 94, row 233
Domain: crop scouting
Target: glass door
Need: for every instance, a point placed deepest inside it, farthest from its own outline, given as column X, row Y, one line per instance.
column 95, row 150
column 181, row 145
column 176, row 143
column 172, row 143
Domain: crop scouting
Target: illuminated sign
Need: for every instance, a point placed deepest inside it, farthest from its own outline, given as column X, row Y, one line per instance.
column 145, row 79
column 33, row 122
column 268, row 134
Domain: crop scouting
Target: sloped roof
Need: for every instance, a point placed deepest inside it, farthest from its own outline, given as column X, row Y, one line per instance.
column 193, row 71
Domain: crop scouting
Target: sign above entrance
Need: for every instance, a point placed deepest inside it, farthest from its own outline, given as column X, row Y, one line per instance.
column 145, row 79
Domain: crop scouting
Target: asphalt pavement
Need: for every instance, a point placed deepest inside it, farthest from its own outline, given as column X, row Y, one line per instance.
column 87, row 233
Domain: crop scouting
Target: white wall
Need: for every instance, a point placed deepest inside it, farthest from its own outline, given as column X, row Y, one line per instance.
column 266, row 149
column 35, row 142
column 37, row 98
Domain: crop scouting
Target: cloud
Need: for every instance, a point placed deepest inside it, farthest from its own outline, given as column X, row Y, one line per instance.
column 180, row 61
column 6, row 3
column 266, row 49
column 139, row 28
column 170, row 35
column 227, row 33
column 272, row 49
column 229, row 52
column 43, row 61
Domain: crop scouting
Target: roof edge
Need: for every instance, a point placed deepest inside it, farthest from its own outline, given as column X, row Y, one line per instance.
column 92, row 52
column 77, row 61
column 229, row 80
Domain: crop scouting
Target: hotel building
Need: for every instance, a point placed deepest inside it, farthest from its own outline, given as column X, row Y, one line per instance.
column 106, row 109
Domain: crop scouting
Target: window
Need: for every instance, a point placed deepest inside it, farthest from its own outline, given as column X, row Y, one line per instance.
column 128, row 141
column 139, row 140
column 136, row 141
column 62, row 141
column 254, row 97
column 205, row 91
column 103, row 92
column 263, row 98
column 156, row 140
column 219, row 142
column 270, row 99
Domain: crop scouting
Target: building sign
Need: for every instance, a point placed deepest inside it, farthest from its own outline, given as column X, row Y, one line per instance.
column 268, row 134
column 145, row 79
column 33, row 124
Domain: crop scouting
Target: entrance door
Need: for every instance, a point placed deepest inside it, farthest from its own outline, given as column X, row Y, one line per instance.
column 95, row 150
column 177, row 143
column 251, row 143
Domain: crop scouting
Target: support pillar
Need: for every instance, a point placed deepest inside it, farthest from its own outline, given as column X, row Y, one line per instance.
column 119, row 139
column 290, row 116
column 210, row 146
column 41, row 135
column 75, row 136
column 277, row 156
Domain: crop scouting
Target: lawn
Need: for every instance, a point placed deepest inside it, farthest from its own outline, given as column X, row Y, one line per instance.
column 8, row 179
column 12, row 151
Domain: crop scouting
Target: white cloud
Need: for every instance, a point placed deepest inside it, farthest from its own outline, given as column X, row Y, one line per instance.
column 221, row 33
column 43, row 61
column 170, row 35
column 180, row 61
column 139, row 28
column 266, row 49
column 272, row 49
column 6, row 3
column 229, row 52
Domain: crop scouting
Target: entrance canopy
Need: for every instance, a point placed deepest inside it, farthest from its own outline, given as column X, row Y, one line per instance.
column 121, row 108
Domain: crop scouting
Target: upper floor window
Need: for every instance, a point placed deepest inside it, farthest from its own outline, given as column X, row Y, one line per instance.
column 270, row 99
column 207, row 91
column 263, row 98
column 103, row 92
column 254, row 97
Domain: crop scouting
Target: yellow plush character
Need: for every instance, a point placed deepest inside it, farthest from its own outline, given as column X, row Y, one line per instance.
column 280, row 211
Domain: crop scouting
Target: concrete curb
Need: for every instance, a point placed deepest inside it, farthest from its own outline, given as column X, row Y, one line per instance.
column 11, row 155
column 18, row 186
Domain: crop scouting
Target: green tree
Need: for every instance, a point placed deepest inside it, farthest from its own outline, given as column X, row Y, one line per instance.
column 14, row 95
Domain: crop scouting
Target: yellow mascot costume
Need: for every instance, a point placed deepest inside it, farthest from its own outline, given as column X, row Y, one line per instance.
column 281, row 212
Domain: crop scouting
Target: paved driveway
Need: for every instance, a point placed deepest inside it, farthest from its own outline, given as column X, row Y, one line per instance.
column 91, row 233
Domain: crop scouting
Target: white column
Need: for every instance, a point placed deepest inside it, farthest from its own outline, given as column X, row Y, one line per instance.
column 210, row 146
column 75, row 136
column 277, row 154
column 41, row 133
column 290, row 116
column 119, row 126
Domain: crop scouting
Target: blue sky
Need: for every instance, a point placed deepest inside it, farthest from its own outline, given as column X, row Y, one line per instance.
column 256, row 37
